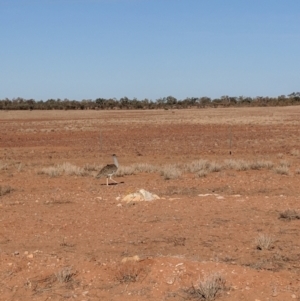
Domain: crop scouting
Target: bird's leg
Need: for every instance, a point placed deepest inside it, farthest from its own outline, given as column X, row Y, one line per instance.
column 106, row 181
column 113, row 179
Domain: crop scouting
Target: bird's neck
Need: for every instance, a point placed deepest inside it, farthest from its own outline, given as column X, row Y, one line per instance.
column 116, row 161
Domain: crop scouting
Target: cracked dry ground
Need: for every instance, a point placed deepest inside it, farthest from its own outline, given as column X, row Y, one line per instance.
column 64, row 237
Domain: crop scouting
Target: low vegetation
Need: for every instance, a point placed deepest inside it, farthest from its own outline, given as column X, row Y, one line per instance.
column 5, row 190
column 200, row 168
column 65, row 275
column 170, row 172
column 289, row 214
column 209, row 288
column 263, row 242
column 169, row 102
column 129, row 272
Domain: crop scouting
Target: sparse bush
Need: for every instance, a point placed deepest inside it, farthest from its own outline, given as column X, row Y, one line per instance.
column 125, row 171
column 202, row 173
column 196, row 166
column 170, row 172
column 289, row 214
column 145, row 167
column 65, row 275
column 214, row 166
column 67, row 168
column 3, row 166
column 282, row 170
column 239, row 165
column 91, row 167
column 260, row 164
column 295, row 152
column 128, row 272
column 70, row 169
column 51, row 171
column 284, row 163
column 5, row 190
column 208, row 289
column 264, row 242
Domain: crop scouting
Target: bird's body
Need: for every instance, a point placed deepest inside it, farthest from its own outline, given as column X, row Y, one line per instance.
column 109, row 170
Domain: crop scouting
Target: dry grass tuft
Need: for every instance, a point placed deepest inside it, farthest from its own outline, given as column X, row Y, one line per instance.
column 289, row 214
column 65, row 168
column 260, row 164
column 129, row 271
column 70, row 169
column 295, row 152
column 208, row 289
column 282, row 170
column 65, row 275
column 280, row 155
column 196, row 166
column 136, row 168
column 202, row 173
column 264, row 242
column 239, row 165
column 125, row 171
column 5, row 190
column 284, row 163
column 170, row 172
column 51, row 171
column 214, row 167
column 3, row 166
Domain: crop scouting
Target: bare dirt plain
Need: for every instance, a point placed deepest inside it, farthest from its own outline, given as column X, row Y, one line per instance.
column 64, row 237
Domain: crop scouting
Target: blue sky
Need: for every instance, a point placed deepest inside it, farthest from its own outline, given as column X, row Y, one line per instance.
column 85, row 49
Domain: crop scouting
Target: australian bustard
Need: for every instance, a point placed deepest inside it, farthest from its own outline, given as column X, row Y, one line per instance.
column 109, row 170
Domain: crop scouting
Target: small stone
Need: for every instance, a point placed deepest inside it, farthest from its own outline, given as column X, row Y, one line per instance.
column 30, row 256
column 294, row 296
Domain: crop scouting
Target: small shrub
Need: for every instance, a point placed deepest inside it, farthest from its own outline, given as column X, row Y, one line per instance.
column 3, row 166
column 145, row 167
column 295, row 152
column 284, row 163
column 128, row 272
column 264, row 242
column 64, row 275
column 170, row 172
column 5, row 190
column 67, row 168
column 91, row 167
column 289, row 214
column 202, row 173
column 125, row 171
column 214, row 167
column 196, row 166
column 70, row 169
column 239, row 165
column 51, row 171
column 208, row 289
column 260, row 164
column 282, row 170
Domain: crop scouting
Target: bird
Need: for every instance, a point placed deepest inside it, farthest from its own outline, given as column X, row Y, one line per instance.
column 109, row 170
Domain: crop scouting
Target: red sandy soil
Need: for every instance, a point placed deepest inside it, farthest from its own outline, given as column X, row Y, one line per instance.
column 200, row 225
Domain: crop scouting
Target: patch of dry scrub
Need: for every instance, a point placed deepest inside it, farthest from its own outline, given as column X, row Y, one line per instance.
column 209, row 288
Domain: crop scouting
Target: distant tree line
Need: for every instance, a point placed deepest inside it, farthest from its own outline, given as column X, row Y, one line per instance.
column 169, row 102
